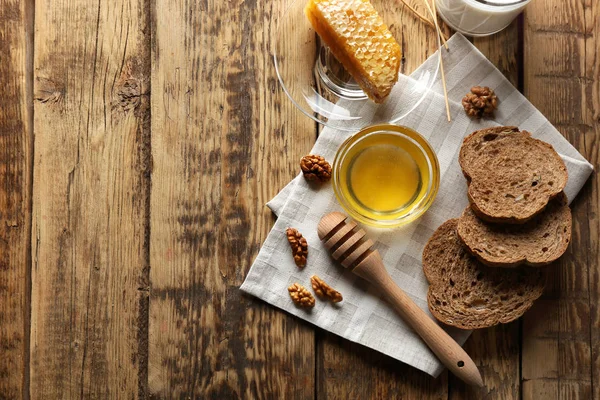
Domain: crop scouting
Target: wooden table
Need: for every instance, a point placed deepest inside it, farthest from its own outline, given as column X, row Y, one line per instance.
column 139, row 142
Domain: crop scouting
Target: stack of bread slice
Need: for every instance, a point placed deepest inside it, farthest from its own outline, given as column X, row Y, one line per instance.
column 483, row 267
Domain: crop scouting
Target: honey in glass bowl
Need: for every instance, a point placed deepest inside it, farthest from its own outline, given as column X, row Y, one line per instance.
column 386, row 175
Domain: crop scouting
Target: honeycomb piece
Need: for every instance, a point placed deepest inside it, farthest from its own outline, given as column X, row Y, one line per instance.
column 360, row 40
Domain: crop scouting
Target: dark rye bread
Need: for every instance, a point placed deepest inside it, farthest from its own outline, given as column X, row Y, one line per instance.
column 473, row 144
column 511, row 175
column 469, row 295
column 538, row 242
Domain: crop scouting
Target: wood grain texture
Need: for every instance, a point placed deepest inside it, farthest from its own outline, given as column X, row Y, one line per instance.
column 348, row 370
column 504, row 50
column 340, row 360
column 496, row 350
column 225, row 139
column 15, row 196
column 91, row 188
column 560, row 334
column 591, row 146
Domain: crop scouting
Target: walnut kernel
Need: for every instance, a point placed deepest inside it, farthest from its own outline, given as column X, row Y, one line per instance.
column 299, row 246
column 324, row 290
column 301, row 296
column 315, row 168
column 480, row 101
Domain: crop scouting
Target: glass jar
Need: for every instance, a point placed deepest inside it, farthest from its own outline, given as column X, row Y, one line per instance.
column 479, row 17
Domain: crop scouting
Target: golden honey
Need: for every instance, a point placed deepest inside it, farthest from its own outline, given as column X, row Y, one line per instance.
column 386, row 175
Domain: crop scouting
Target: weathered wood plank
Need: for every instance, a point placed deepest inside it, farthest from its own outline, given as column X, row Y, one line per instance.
column 225, row 139
column 560, row 345
column 15, row 195
column 591, row 148
column 496, row 350
column 504, row 50
column 91, row 199
column 348, row 370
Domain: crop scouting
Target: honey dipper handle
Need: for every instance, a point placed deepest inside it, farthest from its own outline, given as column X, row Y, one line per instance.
column 450, row 353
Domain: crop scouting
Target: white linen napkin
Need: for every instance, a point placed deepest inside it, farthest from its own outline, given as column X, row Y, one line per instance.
column 363, row 316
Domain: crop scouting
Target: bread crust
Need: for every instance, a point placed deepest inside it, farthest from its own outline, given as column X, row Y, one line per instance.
column 511, row 176
column 536, row 243
column 469, row 295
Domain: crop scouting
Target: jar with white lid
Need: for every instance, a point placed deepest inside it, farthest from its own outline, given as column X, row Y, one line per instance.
column 479, row 17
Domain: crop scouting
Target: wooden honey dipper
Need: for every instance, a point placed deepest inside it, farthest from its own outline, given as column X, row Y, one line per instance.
column 350, row 247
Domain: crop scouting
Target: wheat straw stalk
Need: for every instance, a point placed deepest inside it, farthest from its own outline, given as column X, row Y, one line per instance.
column 436, row 23
column 434, row 16
column 422, row 18
column 434, row 12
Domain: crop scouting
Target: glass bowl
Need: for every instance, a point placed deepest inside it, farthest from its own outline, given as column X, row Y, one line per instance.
column 319, row 85
column 386, row 175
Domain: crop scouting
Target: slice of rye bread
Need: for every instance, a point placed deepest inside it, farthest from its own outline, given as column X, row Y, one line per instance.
column 512, row 176
column 469, row 295
column 538, row 242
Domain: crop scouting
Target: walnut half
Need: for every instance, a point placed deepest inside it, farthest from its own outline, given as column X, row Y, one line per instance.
column 301, row 296
column 299, row 246
column 480, row 101
column 315, row 168
column 324, row 290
